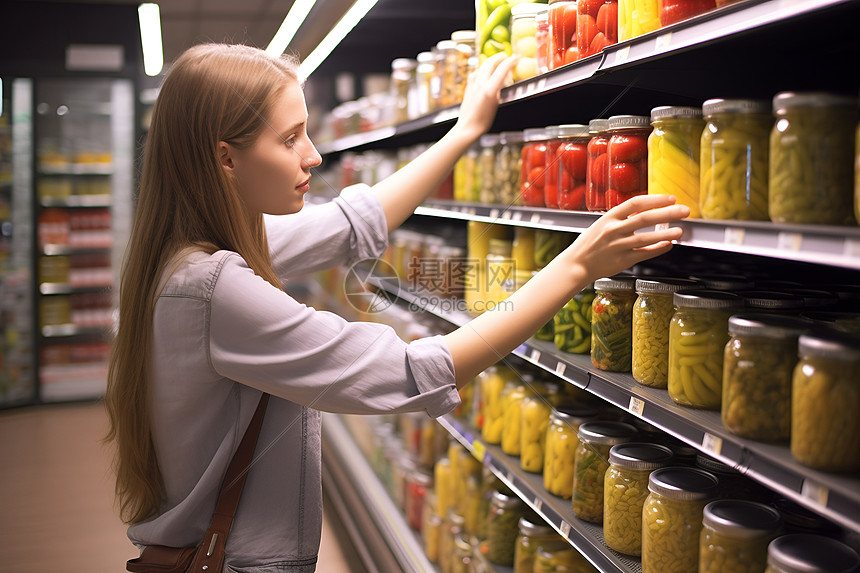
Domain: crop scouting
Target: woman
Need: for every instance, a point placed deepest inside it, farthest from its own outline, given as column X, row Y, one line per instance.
column 205, row 327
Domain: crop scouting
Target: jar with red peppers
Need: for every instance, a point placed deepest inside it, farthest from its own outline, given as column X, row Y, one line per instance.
column 532, row 178
column 418, row 483
column 570, row 166
column 627, row 154
column 672, row 11
column 596, row 169
column 551, row 175
column 596, row 26
column 562, row 33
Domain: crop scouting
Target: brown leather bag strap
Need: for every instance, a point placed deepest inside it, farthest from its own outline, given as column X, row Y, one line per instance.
column 210, row 555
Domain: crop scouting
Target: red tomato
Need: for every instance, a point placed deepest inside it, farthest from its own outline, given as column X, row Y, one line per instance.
column 597, row 171
column 573, row 200
column 627, row 148
column 562, row 24
column 558, row 60
column 597, row 145
column 536, row 177
column 607, row 21
column 595, row 198
column 532, row 196
column 600, row 41
column 677, row 10
column 590, row 7
column 613, row 198
column 571, row 55
column 585, row 31
column 574, row 158
column 626, row 178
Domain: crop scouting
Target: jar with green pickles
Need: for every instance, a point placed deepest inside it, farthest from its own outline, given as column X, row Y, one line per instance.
column 808, row 553
column 487, row 166
column 561, row 443
column 673, row 154
column 548, row 244
column 531, row 536
column 512, row 399
column 503, row 527
column 572, row 323
column 825, row 428
column 734, row 159
column 534, row 419
column 652, row 313
column 735, row 535
column 591, row 462
column 612, row 323
column 757, row 369
column 672, row 518
column 811, row 173
column 698, row 335
column 509, row 159
column 489, row 485
column 560, row 557
column 625, row 490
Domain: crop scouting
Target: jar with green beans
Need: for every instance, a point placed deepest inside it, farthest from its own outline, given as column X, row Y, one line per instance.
column 735, row 535
column 591, row 462
column 572, row 324
column 612, row 323
column 561, row 444
column 502, row 527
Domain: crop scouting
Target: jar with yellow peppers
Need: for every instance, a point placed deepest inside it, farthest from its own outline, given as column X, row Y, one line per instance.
column 524, row 40
column 807, row 553
column 561, row 444
column 443, row 479
column 825, row 428
column 652, row 314
column 637, row 17
column 489, row 143
column 500, row 270
column 625, row 490
column 548, row 245
column 508, row 171
column 478, row 236
column 674, row 149
column 612, row 323
column 572, row 323
column 734, row 159
column 591, row 462
column 560, row 557
column 672, row 518
column 698, row 335
column 502, row 527
column 532, row 535
column 492, row 382
column 512, row 399
column 757, row 369
column 534, row 420
column 431, row 527
column 452, row 526
column 465, row 183
column 811, row 173
column 523, row 249
column 735, row 535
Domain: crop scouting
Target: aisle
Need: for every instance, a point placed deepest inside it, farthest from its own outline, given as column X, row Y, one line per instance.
column 56, row 497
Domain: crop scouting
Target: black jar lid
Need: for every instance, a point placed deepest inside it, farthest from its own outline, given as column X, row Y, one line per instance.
column 771, row 300
column 723, row 281
column 689, row 484
column 741, row 518
column 606, row 432
column 807, row 553
column 640, row 455
column 769, row 325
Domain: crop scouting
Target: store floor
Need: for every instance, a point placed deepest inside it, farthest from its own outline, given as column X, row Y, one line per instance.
column 56, row 496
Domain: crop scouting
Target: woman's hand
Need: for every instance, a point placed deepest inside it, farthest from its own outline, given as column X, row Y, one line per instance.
column 613, row 244
column 481, row 97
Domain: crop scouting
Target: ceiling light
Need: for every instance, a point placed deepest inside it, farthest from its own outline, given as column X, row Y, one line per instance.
column 338, row 33
column 297, row 14
column 150, row 38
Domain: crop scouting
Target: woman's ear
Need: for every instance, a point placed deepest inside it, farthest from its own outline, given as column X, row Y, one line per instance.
column 225, row 155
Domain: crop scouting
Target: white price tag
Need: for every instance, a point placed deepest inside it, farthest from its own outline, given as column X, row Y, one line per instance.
column 565, row 528
column 734, row 236
column 535, row 218
column 535, row 355
column 622, row 55
column 541, row 85
column 518, row 93
column 852, row 248
column 517, row 216
column 538, row 503
column 494, row 213
column 636, row 406
column 479, row 450
column 510, row 477
column 506, row 215
column 814, row 492
column 789, row 241
column 712, row 444
column 531, row 87
column 560, row 368
column 663, row 42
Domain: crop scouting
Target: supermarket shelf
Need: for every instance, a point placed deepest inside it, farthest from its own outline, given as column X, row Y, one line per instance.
column 77, row 201
column 53, row 249
column 67, row 330
column 834, row 496
column 819, row 244
column 66, row 382
column 76, row 169
column 64, row 288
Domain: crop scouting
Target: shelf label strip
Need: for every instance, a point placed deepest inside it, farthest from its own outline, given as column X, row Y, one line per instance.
column 815, row 492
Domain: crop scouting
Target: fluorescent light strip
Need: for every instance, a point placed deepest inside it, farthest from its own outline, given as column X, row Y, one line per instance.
column 295, row 17
column 337, row 34
column 150, row 38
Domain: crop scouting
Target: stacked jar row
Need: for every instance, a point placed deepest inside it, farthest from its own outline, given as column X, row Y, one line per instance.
column 790, row 161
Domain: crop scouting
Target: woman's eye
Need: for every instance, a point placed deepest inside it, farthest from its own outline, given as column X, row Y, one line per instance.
column 290, row 142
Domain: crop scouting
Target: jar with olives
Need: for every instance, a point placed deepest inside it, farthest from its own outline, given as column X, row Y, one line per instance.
column 561, row 445
column 612, row 323
column 627, row 158
column 811, row 173
column 597, row 173
column 591, row 462
column 509, row 157
column 734, row 159
column 652, row 314
column 735, row 535
column 672, row 518
column 825, row 428
column 698, row 335
column 673, row 154
column 532, row 535
column 757, row 369
column 625, row 490
column 807, row 553
column 502, row 527
column 572, row 323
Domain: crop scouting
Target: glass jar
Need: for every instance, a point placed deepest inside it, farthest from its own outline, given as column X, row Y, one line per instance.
column 452, row 526
column 652, row 314
column 825, row 428
column 672, row 518
column 560, row 557
column 443, row 480
column 523, row 251
column 500, row 270
column 805, row 553
column 424, row 72
column 487, row 161
column 757, row 369
column 542, row 39
column 531, row 536
column 447, row 50
column 771, row 301
column 572, row 323
column 596, row 26
column 509, row 159
column 735, row 535
column 462, row 558
column 637, row 17
column 562, row 33
column 627, row 158
column 674, row 149
column 698, row 335
column 625, row 490
column 591, row 462
column 503, row 527
column 536, row 409
column 532, row 177
column 597, row 172
column 561, row 444
column 491, row 420
column 418, row 483
column 403, row 88
column 524, row 40
column 612, row 323
column 550, row 174
column 466, row 183
column 463, row 60
column 492, row 22
column 569, row 166
column 512, row 399
column 811, row 173
column 548, row 245
column 431, row 527
column 672, row 11
column 734, row 159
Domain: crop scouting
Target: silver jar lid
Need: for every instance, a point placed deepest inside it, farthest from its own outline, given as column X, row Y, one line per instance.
column 807, row 553
column 530, row 526
column 571, row 130
column 535, row 134
column 675, row 112
column 707, row 298
column 664, row 285
column 574, row 414
column 606, row 432
column 719, row 105
column 785, row 100
column 769, row 325
column 629, row 121
column 771, row 300
column 617, row 283
column 830, row 343
column 640, row 455
column 598, row 125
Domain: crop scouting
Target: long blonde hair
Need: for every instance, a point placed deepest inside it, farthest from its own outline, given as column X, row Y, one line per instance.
column 212, row 93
